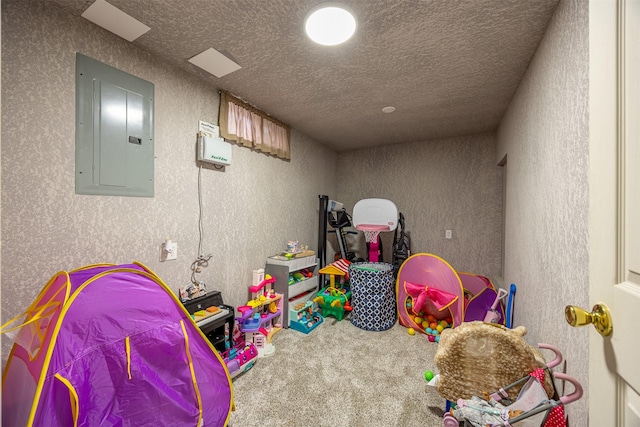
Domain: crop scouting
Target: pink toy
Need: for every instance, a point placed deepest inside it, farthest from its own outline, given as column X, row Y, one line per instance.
column 261, row 317
column 428, row 286
column 240, row 358
column 532, row 407
column 371, row 233
column 244, row 309
column 492, row 315
column 421, row 273
column 267, row 281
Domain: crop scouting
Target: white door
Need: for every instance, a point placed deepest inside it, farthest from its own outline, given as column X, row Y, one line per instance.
column 614, row 223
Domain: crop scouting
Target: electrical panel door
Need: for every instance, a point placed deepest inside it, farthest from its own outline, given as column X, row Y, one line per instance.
column 114, row 131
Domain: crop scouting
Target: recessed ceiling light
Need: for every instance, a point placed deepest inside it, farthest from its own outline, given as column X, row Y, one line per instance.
column 330, row 24
column 113, row 19
column 388, row 110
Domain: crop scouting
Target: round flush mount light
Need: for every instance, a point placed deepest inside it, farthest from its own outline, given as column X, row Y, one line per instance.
column 330, row 24
column 388, row 110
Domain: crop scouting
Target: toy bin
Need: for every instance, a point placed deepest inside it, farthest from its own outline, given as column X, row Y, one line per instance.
column 304, row 318
column 373, row 296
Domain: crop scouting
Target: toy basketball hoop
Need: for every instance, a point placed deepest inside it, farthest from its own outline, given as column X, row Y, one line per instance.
column 373, row 216
column 371, row 233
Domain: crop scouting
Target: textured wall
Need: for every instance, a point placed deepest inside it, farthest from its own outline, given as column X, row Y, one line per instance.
column 545, row 137
column 249, row 211
column 451, row 184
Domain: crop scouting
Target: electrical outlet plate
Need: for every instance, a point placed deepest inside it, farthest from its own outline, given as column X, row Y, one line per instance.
column 168, row 256
column 447, row 234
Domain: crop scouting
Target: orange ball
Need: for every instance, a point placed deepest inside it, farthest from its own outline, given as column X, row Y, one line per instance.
column 433, row 325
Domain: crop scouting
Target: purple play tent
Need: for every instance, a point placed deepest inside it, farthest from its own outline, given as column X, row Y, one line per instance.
column 110, row 345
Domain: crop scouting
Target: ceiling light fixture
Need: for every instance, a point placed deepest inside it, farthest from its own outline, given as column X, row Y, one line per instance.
column 388, row 110
column 330, row 24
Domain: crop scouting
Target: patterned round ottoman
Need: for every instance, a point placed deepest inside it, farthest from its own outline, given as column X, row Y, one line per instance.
column 373, row 295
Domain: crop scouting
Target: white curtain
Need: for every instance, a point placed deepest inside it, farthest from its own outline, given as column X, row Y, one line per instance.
column 250, row 127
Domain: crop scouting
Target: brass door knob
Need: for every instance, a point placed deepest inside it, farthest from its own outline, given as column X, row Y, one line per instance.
column 600, row 318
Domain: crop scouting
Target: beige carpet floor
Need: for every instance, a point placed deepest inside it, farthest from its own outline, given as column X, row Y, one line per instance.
column 340, row 375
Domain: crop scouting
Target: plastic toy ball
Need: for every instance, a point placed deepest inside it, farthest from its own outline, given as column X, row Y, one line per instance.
column 418, row 320
column 440, row 328
column 428, row 375
column 411, row 331
column 425, row 324
column 438, row 339
column 432, row 338
column 429, row 330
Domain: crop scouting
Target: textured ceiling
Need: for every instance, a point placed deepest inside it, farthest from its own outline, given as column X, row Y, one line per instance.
column 450, row 67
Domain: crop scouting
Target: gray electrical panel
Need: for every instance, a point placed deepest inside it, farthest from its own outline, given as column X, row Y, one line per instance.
column 114, row 131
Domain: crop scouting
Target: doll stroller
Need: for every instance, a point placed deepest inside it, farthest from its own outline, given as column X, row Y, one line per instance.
column 532, row 408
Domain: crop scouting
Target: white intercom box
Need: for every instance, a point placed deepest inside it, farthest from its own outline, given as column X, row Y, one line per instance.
column 211, row 147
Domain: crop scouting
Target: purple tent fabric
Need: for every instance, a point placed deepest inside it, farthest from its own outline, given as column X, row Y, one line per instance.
column 123, row 351
column 483, row 295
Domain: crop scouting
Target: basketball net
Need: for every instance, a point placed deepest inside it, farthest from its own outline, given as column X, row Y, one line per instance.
column 371, row 236
column 371, row 232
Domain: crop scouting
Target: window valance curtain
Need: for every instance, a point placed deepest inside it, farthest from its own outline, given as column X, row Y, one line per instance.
column 243, row 123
